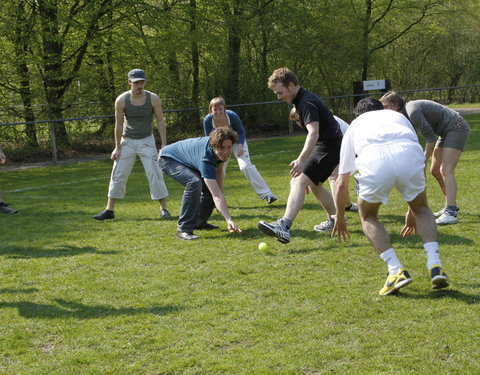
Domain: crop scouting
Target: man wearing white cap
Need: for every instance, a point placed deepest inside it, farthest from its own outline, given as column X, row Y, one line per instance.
column 134, row 110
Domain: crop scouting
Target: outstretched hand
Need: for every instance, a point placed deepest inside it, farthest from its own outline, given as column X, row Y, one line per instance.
column 297, row 168
column 410, row 225
column 340, row 228
column 232, row 227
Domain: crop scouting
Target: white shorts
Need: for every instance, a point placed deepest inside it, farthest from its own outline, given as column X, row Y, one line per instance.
column 384, row 167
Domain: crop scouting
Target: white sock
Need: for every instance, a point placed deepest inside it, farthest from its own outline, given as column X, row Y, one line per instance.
column 390, row 257
column 433, row 257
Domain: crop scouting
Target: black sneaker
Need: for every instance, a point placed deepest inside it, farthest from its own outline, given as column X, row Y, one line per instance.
column 7, row 210
column 207, row 226
column 270, row 199
column 105, row 214
column 164, row 214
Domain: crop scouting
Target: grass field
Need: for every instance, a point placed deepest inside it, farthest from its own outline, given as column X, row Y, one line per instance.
column 78, row 296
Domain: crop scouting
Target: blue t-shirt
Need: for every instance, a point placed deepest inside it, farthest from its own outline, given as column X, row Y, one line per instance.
column 195, row 153
column 235, row 124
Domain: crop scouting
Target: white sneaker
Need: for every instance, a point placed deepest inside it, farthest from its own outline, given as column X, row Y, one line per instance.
column 440, row 213
column 326, row 226
column 446, row 218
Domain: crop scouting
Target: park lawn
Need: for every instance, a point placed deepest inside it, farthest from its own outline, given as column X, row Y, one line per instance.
column 124, row 296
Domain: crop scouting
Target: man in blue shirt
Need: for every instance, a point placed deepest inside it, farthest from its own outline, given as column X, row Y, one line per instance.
column 193, row 163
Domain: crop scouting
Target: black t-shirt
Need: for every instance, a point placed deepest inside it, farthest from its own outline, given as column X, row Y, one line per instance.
column 310, row 108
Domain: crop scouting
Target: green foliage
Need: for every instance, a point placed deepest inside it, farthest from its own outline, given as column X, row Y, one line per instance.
column 125, row 297
column 70, row 58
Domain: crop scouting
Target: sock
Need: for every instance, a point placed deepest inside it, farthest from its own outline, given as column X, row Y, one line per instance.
column 433, row 257
column 286, row 223
column 390, row 257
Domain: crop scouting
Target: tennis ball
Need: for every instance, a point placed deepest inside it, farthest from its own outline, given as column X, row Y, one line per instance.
column 262, row 246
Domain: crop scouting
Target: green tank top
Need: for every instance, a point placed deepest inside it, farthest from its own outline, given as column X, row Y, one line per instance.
column 138, row 119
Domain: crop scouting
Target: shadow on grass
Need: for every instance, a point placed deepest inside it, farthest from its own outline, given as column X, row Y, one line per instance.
column 444, row 293
column 29, row 252
column 68, row 309
column 18, row 291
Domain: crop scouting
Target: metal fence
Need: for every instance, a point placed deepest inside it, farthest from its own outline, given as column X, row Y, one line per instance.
column 342, row 106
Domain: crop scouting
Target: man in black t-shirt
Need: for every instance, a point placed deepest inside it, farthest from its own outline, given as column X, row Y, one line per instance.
column 318, row 158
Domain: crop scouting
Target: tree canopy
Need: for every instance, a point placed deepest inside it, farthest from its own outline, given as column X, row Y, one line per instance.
column 71, row 58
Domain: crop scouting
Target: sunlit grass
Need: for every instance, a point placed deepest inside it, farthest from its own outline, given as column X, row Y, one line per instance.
column 78, row 296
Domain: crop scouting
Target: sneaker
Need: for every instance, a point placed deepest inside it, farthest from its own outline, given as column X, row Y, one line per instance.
column 447, row 218
column 206, row 226
column 271, row 198
column 187, row 236
column 438, row 277
column 326, row 226
column 275, row 229
column 7, row 210
column 164, row 214
column 352, row 208
column 105, row 214
column 394, row 283
column 441, row 212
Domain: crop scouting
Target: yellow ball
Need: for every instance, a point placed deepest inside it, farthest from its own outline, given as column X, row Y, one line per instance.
column 262, row 246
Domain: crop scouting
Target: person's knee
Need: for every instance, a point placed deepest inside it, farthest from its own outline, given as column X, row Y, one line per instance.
column 194, row 184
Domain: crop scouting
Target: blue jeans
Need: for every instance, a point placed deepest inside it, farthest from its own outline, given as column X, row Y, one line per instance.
column 197, row 201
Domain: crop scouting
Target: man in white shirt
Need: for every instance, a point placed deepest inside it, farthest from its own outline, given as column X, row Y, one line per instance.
column 383, row 146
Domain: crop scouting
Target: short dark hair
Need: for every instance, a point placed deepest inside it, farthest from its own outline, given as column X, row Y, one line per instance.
column 283, row 76
column 219, row 135
column 367, row 105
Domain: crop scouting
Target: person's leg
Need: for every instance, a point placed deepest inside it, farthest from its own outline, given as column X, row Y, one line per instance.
column 122, row 168
column 373, row 229
column 324, row 197
column 118, row 179
column 296, row 197
column 147, row 152
column 206, row 208
column 192, row 182
column 377, row 235
column 427, row 230
column 256, row 181
column 450, row 158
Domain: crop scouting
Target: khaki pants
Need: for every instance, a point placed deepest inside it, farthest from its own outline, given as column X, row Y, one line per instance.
column 129, row 150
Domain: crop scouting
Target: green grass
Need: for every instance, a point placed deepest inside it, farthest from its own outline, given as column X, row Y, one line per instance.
column 78, row 296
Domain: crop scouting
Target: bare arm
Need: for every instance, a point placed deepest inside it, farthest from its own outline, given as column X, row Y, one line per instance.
column 341, row 195
column 158, row 110
column 119, row 106
column 221, row 204
column 312, row 137
column 429, row 147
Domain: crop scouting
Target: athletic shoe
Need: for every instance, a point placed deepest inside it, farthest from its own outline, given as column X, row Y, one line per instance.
column 7, row 210
column 447, row 218
column 394, row 283
column 105, row 214
column 275, row 229
column 326, row 226
column 206, row 226
column 271, row 198
column 187, row 236
column 438, row 277
column 164, row 214
column 441, row 212
column 352, row 208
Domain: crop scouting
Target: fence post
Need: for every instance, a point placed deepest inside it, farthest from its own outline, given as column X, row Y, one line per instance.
column 54, row 142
